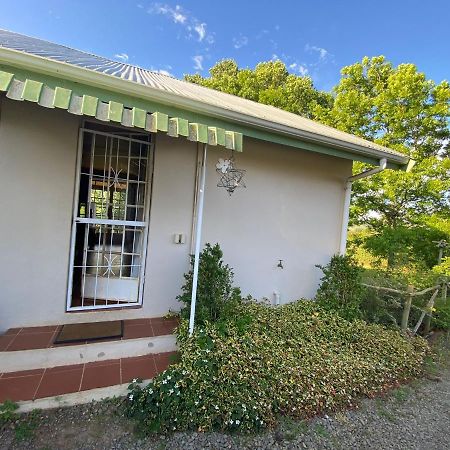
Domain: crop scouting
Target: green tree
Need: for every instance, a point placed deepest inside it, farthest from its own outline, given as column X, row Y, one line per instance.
column 400, row 108
column 269, row 83
column 394, row 106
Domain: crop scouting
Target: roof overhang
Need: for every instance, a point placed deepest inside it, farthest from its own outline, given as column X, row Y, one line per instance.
column 107, row 88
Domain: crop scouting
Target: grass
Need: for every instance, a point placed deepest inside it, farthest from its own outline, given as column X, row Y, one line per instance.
column 321, row 431
column 383, row 411
column 24, row 429
column 401, row 394
column 292, row 428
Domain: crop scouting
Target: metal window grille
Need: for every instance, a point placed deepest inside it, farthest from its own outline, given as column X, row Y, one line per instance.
column 110, row 226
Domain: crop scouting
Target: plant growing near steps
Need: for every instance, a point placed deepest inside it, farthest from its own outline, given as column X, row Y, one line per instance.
column 8, row 412
column 214, row 288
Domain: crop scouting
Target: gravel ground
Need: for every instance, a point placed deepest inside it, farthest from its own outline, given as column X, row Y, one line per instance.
column 416, row 416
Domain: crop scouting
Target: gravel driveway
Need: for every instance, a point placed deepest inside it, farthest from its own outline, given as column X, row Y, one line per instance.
column 411, row 417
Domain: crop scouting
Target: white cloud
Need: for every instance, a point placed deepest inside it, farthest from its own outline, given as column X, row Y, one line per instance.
column 198, row 62
column 164, row 72
column 122, row 56
column 174, row 13
column 323, row 53
column 201, row 31
column 240, row 42
column 262, row 33
column 192, row 26
column 301, row 69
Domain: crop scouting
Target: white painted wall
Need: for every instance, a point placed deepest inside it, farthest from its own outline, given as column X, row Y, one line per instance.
column 291, row 210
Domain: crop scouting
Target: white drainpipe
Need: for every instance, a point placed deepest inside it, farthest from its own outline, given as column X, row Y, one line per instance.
column 198, row 238
column 348, row 193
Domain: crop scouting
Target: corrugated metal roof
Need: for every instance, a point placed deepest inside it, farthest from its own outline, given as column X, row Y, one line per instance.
column 180, row 88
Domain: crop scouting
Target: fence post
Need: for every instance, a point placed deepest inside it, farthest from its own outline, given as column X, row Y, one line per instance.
column 407, row 307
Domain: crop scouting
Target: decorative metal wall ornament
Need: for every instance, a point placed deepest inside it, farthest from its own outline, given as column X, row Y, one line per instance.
column 230, row 177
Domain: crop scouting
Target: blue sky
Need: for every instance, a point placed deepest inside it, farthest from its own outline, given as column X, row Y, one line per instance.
column 312, row 37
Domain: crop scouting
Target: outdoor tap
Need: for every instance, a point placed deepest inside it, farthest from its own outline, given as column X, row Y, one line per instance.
column 280, row 264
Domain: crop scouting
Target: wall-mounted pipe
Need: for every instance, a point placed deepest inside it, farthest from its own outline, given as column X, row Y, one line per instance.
column 276, row 296
column 198, row 238
column 348, row 194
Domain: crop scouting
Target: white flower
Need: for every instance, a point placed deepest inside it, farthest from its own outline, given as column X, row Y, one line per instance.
column 164, row 382
column 216, row 407
column 238, row 421
column 150, row 391
column 131, row 396
column 134, row 380
column 196, row 402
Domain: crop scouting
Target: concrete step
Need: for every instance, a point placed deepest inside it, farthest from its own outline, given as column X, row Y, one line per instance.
column 43, row 358
column 79, row 383
column 75, row 398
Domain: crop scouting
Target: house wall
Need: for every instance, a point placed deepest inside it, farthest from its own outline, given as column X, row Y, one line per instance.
column 290, row 210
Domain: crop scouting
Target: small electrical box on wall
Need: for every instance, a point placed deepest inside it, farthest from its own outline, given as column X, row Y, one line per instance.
column 179, row 238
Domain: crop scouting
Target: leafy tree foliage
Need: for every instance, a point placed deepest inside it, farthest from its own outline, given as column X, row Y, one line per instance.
column 269, row 83
column 395, row 106
column 400, row 108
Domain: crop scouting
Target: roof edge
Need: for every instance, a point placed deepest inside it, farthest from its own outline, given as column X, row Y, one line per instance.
column 100, row 80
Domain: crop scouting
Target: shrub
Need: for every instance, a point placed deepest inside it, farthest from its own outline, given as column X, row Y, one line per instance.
column 296, row 360
column 441, row 315
column 340, row 289
column 214, row 287
column 443, row 269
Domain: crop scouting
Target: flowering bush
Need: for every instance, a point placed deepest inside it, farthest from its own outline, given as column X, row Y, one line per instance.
column 296, row 360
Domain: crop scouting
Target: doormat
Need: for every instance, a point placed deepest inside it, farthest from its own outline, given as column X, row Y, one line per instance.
column 81, row 332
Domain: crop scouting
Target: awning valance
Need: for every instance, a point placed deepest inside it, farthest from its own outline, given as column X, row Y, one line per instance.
column 79, row 103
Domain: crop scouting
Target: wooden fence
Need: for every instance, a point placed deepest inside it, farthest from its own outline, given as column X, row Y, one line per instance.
column 408, row 295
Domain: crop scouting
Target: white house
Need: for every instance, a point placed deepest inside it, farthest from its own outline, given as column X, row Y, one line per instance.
column 101, row 167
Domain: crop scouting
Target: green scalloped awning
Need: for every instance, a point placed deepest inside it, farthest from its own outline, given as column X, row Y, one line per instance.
column 79, row 103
